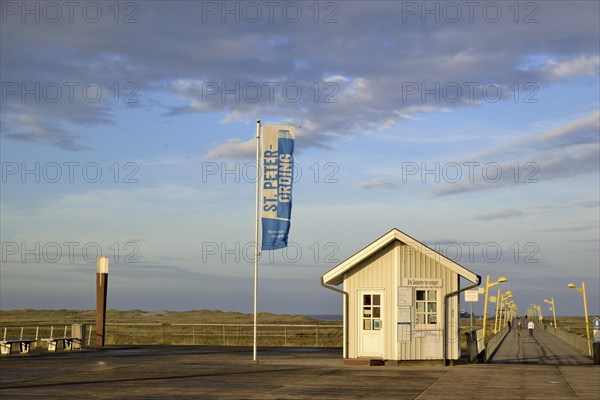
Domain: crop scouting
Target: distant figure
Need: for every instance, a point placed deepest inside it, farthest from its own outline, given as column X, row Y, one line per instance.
column 508, row 323
column 530, row 326
column 519, row 328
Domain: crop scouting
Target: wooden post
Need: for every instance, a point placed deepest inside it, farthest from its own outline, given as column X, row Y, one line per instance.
column 101, row 285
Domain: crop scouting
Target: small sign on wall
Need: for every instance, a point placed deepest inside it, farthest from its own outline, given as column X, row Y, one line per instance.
column 423, row 282
column 405, row 296
column 404, row 314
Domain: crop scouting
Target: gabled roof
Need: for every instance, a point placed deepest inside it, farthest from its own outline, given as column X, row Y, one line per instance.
column 335, row 276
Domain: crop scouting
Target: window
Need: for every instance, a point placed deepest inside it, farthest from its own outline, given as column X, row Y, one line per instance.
column 426, row 307
column 371, row 312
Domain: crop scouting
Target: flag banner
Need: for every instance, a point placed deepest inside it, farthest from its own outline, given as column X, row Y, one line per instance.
column 277, row 177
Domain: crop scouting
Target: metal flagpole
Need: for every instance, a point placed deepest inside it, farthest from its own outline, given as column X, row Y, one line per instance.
column 256, row 250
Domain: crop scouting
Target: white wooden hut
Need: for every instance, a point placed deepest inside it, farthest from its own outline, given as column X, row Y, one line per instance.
column 401, row 301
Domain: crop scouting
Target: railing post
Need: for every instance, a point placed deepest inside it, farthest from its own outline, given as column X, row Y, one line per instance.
column 317, row 335
column 21, row 337
column 223, row 327
column 285, row 335
column 193, row 334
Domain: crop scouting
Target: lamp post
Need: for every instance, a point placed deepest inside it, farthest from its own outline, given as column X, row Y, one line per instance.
column 511, row 311
column 489, row 285
column 505, row 299
column 553, row 308
column 501, row 299
column 504, row 316
column 585, row 311
column 498, row 300
column 101, row 284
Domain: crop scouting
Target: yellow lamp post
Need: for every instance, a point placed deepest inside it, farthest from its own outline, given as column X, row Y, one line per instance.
column 501, row 305
column 507, row 312
column 489, row 285
column 498, row 301
column 505, row 309
column 513, row 311
column 553, row 308
column 585, row 311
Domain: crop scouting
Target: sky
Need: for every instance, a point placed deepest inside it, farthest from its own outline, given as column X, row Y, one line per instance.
column 127, row 130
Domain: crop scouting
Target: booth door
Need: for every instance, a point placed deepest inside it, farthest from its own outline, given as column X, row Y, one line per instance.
column 370, row 336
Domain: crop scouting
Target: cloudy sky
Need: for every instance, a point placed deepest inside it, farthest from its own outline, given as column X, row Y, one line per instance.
column 127, row 130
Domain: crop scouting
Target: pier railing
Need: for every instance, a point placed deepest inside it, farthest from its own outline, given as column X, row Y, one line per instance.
column 581, row 343
column 192, row 334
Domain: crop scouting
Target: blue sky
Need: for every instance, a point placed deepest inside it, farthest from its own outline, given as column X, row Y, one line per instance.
column 127, row 129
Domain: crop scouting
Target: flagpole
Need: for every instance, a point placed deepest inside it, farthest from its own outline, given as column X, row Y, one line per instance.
column 256, row 226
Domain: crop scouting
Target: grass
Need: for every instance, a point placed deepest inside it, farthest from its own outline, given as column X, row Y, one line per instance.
column 20, row 317
column 211, row 327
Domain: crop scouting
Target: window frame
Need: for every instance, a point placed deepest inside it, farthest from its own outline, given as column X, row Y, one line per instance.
column 431, row 298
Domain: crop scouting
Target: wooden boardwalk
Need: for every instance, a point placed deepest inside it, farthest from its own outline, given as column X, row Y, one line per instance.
column 542, row 348
column 538, row 367
column 202, row 372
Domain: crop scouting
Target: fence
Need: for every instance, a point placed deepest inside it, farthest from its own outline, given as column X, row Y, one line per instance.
column 193, row 334
column 39, row 332
column 475, row 345
column 226, row 334
column 494, row 342
column 579, row 342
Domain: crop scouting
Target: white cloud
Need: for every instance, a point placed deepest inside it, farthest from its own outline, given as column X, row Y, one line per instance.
column 585, row 65
column 378, row 183
column 234, row 149
column 568, row 150
column 182, row 57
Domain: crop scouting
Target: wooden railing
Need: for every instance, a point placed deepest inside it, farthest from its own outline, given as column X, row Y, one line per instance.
column 193, row 334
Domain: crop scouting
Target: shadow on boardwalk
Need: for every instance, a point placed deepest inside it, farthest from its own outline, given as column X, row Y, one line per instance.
column 203, row 372
column 542, row 348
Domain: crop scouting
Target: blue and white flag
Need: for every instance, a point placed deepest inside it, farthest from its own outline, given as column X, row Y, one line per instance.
column 277, row 178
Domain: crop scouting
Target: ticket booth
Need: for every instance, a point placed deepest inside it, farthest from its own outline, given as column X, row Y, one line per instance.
column 395, row 307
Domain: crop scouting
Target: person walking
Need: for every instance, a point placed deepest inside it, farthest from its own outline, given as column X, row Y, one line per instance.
column 530, row 326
